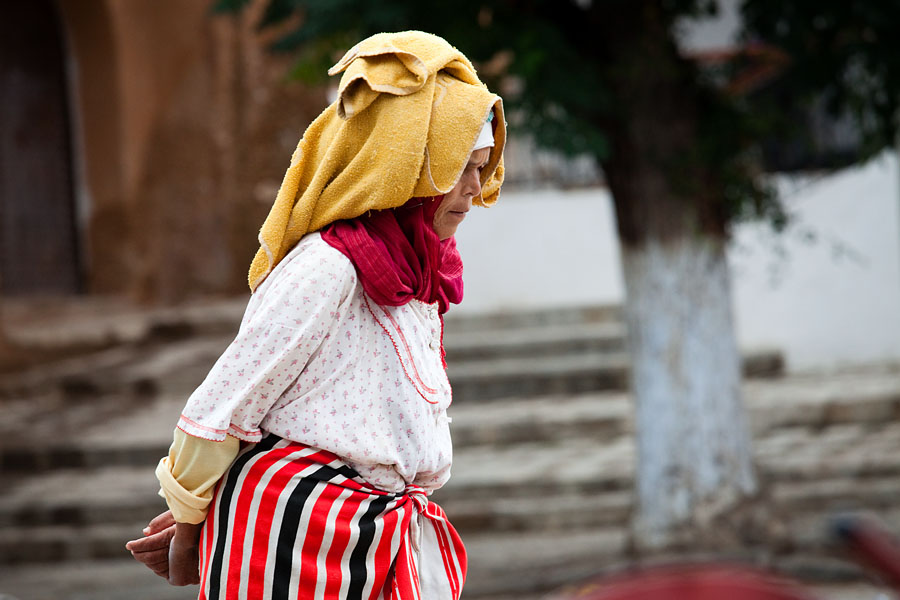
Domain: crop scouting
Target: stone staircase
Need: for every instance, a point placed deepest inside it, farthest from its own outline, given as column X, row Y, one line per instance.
column 562, row 504
column 543, row 473
column 490, row 357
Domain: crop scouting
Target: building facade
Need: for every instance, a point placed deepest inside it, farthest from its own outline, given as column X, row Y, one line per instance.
column 141, row 145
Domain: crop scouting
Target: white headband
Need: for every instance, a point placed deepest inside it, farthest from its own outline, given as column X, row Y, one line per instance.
column 485, row 138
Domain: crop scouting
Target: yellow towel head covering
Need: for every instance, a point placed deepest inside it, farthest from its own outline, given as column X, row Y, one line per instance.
column 409, row 109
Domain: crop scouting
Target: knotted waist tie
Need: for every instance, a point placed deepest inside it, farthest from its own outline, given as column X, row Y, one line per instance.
column 431, row 563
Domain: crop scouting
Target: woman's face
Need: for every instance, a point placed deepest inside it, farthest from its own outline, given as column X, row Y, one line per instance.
column 458, row 201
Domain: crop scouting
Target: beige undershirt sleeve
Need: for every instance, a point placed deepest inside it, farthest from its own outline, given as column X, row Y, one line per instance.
column 188, row 475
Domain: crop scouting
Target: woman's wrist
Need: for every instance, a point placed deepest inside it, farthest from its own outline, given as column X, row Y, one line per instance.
column 187, row 534
column 184, row 554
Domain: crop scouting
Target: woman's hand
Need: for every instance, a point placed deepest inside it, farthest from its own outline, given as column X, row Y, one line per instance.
column 153, row 549
column 170, row 549
column 184, row 554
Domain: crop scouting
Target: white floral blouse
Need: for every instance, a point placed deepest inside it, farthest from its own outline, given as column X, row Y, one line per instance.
column 316, row 361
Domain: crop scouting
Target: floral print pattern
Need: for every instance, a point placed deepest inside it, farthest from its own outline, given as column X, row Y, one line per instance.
column 318, row 362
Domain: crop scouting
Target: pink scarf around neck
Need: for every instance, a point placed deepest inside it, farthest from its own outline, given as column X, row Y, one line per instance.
column 398, row 256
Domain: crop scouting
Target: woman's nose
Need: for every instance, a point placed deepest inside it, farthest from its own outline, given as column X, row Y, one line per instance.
column 475, row 184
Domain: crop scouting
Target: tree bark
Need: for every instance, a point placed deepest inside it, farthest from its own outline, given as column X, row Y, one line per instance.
column 693, row 443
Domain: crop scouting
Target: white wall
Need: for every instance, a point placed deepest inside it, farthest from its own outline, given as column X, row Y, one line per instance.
column 833, row 298
column 540, row 249
column 826, row 292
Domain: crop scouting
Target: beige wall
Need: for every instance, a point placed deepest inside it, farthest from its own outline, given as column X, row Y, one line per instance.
column 184, row 126
column 97, row 136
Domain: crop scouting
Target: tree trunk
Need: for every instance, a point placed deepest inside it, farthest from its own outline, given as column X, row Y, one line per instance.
column 693, row 444
column 695, row 473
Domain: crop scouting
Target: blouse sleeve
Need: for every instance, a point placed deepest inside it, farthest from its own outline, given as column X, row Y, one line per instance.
column 286, row 321
column 189, row 473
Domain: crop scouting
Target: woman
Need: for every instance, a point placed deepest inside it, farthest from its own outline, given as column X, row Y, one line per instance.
column 335, row 385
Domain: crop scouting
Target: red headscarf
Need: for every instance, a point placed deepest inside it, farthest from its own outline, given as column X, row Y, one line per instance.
column 398, row 256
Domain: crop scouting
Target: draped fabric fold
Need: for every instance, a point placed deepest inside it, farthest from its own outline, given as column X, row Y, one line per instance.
column 409, row 109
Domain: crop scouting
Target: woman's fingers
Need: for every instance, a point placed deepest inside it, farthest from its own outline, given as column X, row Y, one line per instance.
column 156, row 541
column 153, row 550
column 159, row 523
column 151, row 557
column 160, row 568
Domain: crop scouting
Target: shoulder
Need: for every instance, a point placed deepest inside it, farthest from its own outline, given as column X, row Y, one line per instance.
column 312, row 262
column 311, row 284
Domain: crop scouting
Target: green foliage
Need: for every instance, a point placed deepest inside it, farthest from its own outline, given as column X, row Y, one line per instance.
column 845, row 53
column 560, row 100
column 226, row 6
column 552, row 62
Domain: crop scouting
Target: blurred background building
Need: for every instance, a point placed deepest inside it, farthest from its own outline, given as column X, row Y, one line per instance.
column 136, row 134
column 144, row 142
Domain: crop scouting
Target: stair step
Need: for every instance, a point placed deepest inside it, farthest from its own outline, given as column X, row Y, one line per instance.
column 537, row 469
column 35, row 460
column 576, row 373
column 542, row 486
column 529, row 562
column 597, row 416
column 554, row 512
column 497, row 489
column 813, row 529
column 819, row 401
column 92, row 324
column 58, row 543
column 828, row 468
column 554, row 351
column 523, row 377
column 536, row 489
column 534, row 341
column 793, row 405
column 802, row 454
column 482, row 365
column 570, row 341
column 100, row 579
column 837, row 494
column 143, row 372
column 522, row 319
column 81, row 497
column 520, row 564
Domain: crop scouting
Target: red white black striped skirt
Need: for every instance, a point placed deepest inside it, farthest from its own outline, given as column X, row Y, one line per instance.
column 290, row 521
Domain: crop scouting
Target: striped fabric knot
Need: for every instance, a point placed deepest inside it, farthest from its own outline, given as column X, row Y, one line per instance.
column 420, row 500
column 417, row 494
column 431, row 564
column 293, row 522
